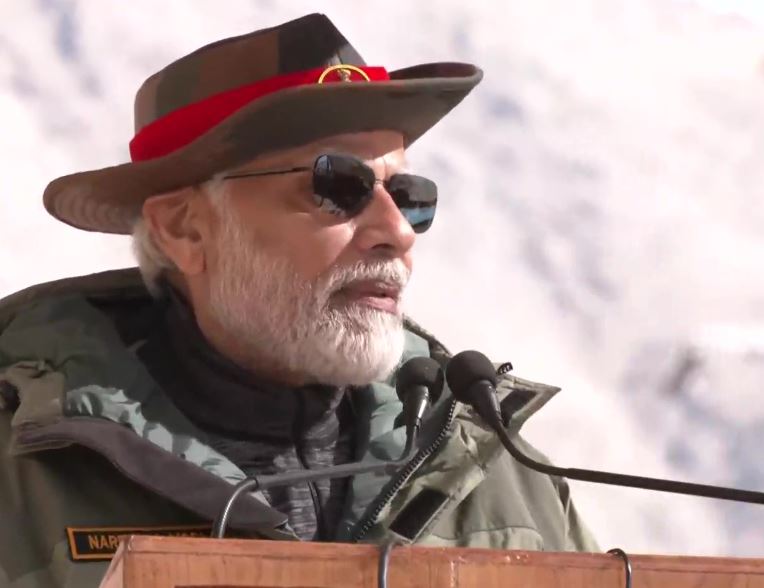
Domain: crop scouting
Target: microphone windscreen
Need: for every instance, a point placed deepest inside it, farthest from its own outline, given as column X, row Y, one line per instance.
column 466, row 368
column 420, row 371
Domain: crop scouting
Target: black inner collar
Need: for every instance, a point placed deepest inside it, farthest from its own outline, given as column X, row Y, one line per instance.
column 219, row 395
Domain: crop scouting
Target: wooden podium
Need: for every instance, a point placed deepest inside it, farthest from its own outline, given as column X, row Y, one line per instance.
column 168, row 562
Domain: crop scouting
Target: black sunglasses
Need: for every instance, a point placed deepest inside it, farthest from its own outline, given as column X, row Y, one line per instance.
column 348, row 184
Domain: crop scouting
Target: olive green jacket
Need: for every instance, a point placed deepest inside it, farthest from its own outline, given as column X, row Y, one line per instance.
column 90, row 447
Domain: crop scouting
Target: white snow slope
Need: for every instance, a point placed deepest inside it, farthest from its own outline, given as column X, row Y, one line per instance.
column 601, row 222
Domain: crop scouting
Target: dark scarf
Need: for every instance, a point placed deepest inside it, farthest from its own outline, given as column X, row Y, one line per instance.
column 261, row 426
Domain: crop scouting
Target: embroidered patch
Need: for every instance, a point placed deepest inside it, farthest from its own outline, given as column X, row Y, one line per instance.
column 100, row 543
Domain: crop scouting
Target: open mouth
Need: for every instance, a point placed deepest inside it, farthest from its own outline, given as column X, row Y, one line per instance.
column 373, row 293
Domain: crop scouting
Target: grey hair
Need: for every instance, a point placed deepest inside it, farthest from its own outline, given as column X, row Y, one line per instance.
column 154, row 263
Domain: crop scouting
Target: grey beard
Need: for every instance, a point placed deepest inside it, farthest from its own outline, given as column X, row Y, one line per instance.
column 283, row 323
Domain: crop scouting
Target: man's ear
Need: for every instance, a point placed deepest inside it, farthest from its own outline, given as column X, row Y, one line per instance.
column 179, row 224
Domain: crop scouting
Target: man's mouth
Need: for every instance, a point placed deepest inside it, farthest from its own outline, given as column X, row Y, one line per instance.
column 374, row 294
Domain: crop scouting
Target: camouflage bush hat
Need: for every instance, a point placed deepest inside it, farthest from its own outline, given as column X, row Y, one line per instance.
column 232, row 100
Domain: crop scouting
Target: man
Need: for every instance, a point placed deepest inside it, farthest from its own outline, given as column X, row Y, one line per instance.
column 273, row 216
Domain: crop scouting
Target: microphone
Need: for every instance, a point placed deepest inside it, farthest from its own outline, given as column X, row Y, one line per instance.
column 418, row 380
column 418, row 383
column 472, row 380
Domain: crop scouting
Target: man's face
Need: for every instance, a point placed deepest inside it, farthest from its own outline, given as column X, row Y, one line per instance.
column 300, row 287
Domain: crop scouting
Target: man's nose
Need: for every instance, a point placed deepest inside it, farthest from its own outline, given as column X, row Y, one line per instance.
column 382, row 227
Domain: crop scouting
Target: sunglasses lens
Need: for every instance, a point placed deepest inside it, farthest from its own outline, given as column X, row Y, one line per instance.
column 345, row 181
column 416, row 198
column 348, row 184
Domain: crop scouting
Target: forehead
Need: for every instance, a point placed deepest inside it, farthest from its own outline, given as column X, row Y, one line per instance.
column 366, row 145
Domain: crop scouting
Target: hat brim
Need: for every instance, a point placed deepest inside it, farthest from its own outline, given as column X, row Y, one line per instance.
column 109, row 200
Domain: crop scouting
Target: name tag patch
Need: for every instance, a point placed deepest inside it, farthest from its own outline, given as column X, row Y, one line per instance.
column 100, row 543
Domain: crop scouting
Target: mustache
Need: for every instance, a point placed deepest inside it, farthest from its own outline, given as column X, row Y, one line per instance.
column 393, row 272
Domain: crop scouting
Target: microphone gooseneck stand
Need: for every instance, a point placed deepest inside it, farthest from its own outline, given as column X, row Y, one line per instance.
column 472, row 380
column 419, row 383
column 302, row 476
column 599, row 477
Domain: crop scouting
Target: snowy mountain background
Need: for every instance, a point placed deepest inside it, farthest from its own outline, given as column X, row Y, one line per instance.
column 601, row 222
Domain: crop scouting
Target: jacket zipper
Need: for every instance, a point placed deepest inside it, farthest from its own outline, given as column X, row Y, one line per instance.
column 367, row 522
